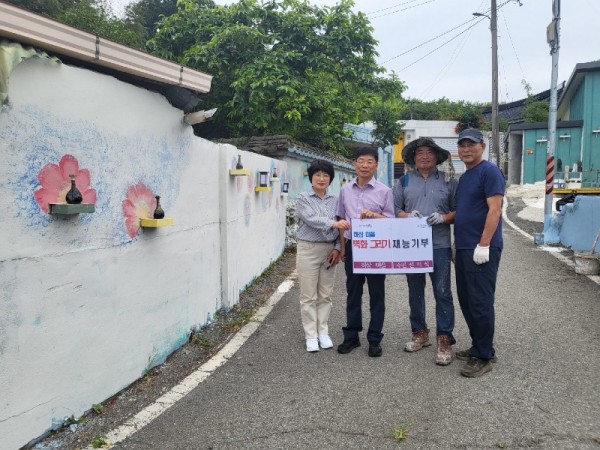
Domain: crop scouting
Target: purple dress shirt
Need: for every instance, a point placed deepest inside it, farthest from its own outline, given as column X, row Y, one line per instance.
column 374, row 196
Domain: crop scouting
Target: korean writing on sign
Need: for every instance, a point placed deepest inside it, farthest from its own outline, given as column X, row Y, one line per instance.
column 392, row 246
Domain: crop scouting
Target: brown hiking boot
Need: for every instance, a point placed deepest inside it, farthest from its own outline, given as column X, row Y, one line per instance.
column 444, row 356
column 420, row 339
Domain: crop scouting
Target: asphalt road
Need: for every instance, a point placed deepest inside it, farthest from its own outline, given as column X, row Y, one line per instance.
column 543, row 392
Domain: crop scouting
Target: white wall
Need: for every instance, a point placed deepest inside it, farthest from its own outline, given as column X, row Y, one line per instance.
column 86, row 309
column 252, row 223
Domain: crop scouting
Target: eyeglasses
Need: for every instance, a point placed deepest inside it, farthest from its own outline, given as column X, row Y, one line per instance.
column 365, row 162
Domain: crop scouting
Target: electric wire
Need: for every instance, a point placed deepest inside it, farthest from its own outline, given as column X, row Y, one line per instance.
column 515, row 52
column 438, row 77
column 438, row 47
column 432, row 39
column 444, row 43
column 457, row 51
column 390, row 7
column 402, row 9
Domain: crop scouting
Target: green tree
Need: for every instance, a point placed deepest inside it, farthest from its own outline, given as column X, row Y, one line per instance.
column 93, row 16
column 283, row 67
column 50, row 8
column 387, row 111
column 96, row 17
column 535, row 110
column 145, row 16
column 441, row 109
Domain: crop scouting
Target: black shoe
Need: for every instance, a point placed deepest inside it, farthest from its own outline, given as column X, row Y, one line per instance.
column 348, row 345
column 465, row 355
column 476, row 367
column 375, row 350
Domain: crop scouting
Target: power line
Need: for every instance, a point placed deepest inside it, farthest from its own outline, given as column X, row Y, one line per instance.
column 443, row 70
column 514, row 48
column 439, row 47
column 433, row 39
column 446, row 42
column 390, row 7
column 402, row 9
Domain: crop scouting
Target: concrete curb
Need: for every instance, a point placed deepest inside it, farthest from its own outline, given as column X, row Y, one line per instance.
column 152, row 411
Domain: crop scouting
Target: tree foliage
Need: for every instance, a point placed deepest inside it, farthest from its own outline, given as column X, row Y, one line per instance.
column 96, row 17
column 93, row 16
column 282, row 67
column 145, row 16
column 535, row 110
column 50, row 8
column 387, row 111
column 441, row 109
column 279, row 67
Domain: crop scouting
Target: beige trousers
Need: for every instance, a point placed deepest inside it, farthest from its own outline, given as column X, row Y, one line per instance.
column 316, row 286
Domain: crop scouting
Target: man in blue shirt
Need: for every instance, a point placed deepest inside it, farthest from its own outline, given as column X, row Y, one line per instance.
column 429, row 192
column 478, row 242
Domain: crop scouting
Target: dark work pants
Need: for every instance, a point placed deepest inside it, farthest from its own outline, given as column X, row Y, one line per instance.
column 476, row 288
column 354, row 287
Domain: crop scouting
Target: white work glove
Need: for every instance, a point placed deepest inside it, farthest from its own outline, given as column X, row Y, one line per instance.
column 481, row 255
column 415, row 213
column 435, row 219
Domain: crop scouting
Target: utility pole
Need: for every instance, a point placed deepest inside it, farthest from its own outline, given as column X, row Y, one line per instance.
column 495, row 117
column 495, row 150
column 552, row 34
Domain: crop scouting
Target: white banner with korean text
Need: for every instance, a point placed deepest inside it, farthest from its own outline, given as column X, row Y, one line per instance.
column 388, row 246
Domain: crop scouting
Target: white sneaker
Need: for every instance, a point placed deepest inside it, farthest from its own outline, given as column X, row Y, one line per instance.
column 325, row 341
column 312, row 345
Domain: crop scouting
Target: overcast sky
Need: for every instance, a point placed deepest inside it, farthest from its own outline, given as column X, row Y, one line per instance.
column 460, row 69
column 458, row 66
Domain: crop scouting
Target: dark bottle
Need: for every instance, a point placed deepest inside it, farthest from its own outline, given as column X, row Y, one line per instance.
column 239, row 166
column 74, row 196
column 158, row 212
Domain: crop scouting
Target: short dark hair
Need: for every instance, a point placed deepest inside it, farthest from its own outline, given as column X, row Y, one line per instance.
column 320, row 165
column 366, row 151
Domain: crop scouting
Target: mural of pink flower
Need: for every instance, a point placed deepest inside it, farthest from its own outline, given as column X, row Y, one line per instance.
column 139, row 204
column 56, row 183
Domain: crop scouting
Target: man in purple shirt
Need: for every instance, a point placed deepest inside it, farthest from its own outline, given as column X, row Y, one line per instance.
column 363, row 198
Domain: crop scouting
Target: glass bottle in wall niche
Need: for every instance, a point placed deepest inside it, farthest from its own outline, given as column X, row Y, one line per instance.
column 239, row 165
column 74, row 196
column 158, row 212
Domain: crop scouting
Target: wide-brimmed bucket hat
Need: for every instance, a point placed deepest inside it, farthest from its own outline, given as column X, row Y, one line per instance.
column 408, row 152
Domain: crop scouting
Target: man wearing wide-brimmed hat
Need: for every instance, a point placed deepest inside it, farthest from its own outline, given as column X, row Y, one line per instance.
column 429, row 192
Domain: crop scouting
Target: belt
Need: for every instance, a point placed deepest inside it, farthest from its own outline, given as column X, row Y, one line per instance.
column 318, row 242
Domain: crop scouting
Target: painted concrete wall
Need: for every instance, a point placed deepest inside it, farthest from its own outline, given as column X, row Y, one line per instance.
column 252, row 223
column 82, row 295
column 578, row 223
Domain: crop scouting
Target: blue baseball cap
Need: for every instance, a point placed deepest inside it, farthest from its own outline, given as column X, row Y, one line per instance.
column 471, row 134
